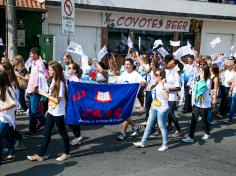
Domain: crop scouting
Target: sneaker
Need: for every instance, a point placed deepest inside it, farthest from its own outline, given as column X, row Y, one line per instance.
column 163, row 148
column 63, row 157
column 188, row 140
column 177, row 134
column 121, row 136
column 76, row 141
column 199, row 118
column 139, row 144
column 206, row 137
column 10, row 158
column 35, row 157
column 155, row 134
column 136, row 129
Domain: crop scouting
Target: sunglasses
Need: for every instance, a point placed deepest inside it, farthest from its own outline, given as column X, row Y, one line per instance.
column 69, row 68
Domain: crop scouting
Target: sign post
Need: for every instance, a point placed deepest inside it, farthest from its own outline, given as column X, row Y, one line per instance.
column 68, row 16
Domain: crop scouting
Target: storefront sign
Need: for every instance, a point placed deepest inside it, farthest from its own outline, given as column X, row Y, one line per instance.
column 68, row 14
column 146, row 22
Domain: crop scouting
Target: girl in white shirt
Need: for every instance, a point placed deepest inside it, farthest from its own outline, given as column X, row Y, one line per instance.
column 7, row 113
column 57, row 98
column 158, row 111
column 201, row 104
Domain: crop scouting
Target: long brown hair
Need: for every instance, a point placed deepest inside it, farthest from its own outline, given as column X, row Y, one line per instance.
column 21, row 62
column 59, row 76
column 11, row 73
column 5, row 84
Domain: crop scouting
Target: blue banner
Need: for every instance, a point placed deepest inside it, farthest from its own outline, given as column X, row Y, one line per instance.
column 100, row 104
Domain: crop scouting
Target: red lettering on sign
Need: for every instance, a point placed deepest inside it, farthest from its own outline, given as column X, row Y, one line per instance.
column 74, row 98
column 119, row 22
column 83, row 93
column 185, row 25
column 174, row 25
column 108, row 113
column 128, row 21
column 117, row 113
column 135, row 21
column 154, row 23
column 180, row 25
column 148, row 22
column 97, row 113
column 168, row 23
column 142, row 22
column 87, row 113
column 78, row 96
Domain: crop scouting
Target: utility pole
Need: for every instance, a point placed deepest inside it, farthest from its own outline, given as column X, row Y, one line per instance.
column 11, row 44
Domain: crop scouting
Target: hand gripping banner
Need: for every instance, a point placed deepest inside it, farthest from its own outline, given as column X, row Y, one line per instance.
column 100, row 104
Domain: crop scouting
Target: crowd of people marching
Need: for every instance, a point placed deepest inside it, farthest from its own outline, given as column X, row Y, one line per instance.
column 196, row 83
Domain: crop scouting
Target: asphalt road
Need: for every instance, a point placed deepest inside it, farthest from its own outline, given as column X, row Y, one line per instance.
column 100, row 154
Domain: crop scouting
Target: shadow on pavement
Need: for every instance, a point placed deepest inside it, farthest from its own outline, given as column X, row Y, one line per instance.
column 45, row 169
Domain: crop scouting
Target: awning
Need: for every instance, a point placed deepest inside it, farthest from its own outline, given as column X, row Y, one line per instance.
column 31, row 5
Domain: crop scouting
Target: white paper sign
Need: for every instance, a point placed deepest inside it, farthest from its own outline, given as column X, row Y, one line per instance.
column 75, row 48
column 102, row 53
column 216, row 41
column 68, row 15
column 157, row 43
column 174, row 43
column 130, row 43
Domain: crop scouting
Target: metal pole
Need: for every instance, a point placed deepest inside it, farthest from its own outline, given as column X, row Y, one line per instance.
column 11, row 28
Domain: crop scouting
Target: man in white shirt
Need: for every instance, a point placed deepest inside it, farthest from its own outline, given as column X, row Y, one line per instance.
column 173, row 83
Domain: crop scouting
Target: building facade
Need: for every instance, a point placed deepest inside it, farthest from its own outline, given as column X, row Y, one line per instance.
column 110, row 22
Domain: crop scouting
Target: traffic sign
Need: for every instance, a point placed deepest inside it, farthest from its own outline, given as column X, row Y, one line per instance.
column 68, row 16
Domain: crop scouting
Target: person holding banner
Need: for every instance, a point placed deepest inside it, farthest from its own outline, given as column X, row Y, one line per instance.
column 75, row 74
column 159, row 111
column 128, row 77
column 57, row 98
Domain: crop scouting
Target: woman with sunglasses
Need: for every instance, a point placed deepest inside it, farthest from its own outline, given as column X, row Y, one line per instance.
column 159, row 111
column 75, row 73
column 201, row 104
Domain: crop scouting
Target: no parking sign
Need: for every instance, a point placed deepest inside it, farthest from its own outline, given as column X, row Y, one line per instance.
column 68, row 15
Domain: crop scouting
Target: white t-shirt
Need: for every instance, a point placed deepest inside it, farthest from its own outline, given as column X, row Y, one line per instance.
column 172, row 80
column 8, row 116
column 158, row 94
column 59, row 109
column 205, row 99
column 228, row 76
column 129, row 78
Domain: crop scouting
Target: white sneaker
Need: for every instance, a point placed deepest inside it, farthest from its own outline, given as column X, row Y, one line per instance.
column 139, row 144
column 63, row 157
column 76, row 141
column 206, row 137
column 136, row 130
column 188, row 140
column 121, row 136
column 163, row 148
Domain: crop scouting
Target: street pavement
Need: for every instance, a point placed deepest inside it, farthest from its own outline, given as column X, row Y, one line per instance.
column 100, row 154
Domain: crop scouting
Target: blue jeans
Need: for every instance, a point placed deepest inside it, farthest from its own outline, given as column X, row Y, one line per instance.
column 4, row 134
column 233, row 106
column 161, row 117
column 49, row 125
column 22, row 99
column 34, row 114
